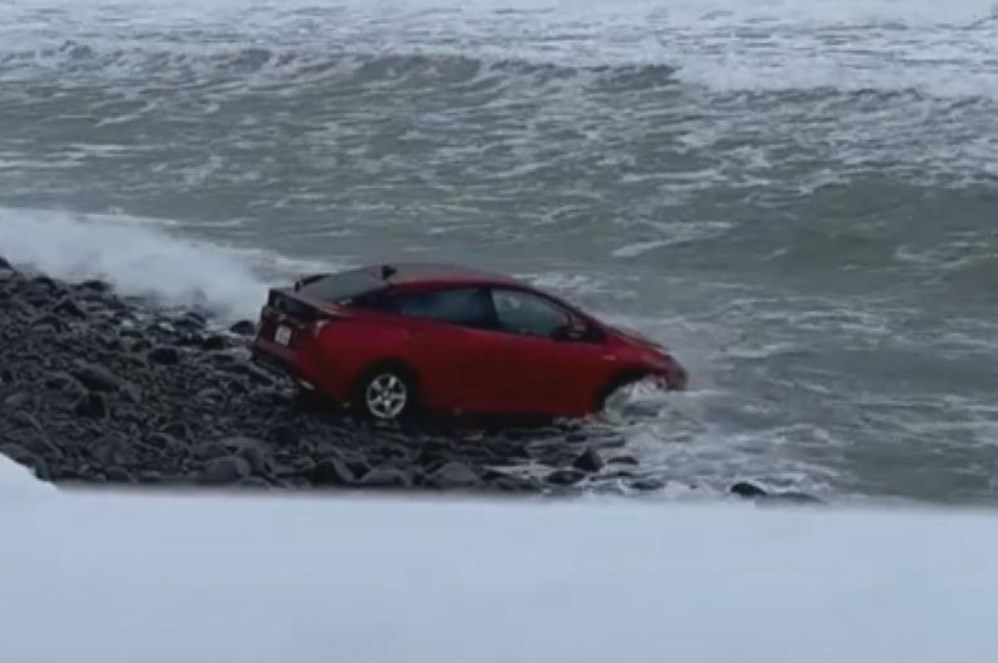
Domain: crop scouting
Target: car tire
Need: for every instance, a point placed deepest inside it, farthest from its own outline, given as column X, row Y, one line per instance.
column 386, row 393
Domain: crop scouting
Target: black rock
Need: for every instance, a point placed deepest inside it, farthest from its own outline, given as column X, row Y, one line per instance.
column 66, row 306
column 243, row 328
column 63, row 382
column 210, row 450
column 178, row 430
column 119, row 475
column 623, row 460
column 165, row 442
column 5, row 265
column 284, row 435
column 93, row 405
column 18, row 454
column 164, row 355
column 213, row 342
column 749, row 490
column 38, row 443
column 98, row 378
column 95, row 285
column 565, row 477
column 17, row 400
column 253, row 451
column 220, row 471
column 387, row 477
column 332, row 472
column 589, row 461
column 254, row 483
column 454, row 474
column 191, row 321
column 114, row 452
column 648, row 484
column 48, row 322
column 6, row 376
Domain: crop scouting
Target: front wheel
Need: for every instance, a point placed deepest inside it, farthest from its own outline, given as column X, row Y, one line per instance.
column 387, row 394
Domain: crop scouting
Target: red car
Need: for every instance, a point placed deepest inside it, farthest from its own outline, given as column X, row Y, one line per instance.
column 391, row 340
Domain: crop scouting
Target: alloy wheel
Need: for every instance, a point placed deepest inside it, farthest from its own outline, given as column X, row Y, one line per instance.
column 386, row 396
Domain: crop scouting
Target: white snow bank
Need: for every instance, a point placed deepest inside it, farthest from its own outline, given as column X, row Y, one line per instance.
column 18, row 482
column 122, row 578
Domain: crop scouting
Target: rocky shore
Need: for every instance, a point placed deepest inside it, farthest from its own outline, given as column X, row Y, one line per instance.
column 97, row 389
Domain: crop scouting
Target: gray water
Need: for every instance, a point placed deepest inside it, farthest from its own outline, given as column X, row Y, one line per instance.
column 800, row 199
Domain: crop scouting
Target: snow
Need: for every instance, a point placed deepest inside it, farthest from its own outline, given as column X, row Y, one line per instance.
column 211, row 578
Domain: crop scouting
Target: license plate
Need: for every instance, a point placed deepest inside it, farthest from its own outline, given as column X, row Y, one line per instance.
column 283, row 335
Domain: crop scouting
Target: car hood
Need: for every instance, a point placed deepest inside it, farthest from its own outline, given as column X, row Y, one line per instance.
column 638, row 337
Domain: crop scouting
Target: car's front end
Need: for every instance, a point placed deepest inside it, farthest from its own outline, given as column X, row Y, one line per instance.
column 653, row 359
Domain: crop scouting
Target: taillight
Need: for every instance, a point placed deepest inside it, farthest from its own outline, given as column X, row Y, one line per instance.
column 318, row 326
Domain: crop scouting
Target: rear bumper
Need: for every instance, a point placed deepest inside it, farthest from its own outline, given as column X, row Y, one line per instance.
column 275, row 358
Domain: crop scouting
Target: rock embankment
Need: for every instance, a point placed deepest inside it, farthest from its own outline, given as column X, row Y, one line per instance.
column 98, row 389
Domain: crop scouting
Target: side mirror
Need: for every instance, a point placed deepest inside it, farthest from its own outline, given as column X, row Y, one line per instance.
column 573, row 331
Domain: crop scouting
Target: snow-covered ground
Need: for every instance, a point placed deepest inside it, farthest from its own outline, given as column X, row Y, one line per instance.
column 130, row 578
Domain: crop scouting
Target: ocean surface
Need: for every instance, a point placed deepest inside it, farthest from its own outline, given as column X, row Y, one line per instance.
column 800, row 198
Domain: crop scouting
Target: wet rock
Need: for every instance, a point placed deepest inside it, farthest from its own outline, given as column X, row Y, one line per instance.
column 213, row 342
column 68, row 307
column 48, row 322
column 165, row 442
column 648, row 484
column 565, row 477
column 95, row 285
column 210, row 450
column 332, row 472
column 6, row 376
column 747, row 489
column 62, row 381
column 98, row 378
column 623, row 460
column 752, row 491
column 17, row 400
column 177, row 430
column 226, row 470
column 589, row 461
column 18, row 454
column 387, row 477
column 243, row 328
column 4, row 265
column 119, row 475
column 284, row 435
column 92, row 405
column 253, row 451
column 454, row 474
column 254, row 483
column 164, row 355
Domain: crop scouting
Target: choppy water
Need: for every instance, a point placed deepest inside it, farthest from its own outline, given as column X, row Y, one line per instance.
column 800, row 198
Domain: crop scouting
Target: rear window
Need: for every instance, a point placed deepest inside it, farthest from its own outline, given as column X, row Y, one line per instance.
column 345, row 285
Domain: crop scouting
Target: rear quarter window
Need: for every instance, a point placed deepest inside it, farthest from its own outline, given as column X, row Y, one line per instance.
column 468, row 307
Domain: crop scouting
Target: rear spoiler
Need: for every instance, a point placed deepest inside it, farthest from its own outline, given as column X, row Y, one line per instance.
column 305, row 279
column 286, row 303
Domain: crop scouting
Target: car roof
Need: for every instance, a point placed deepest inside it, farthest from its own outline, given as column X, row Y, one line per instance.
column 422, row 272
column 370, row 278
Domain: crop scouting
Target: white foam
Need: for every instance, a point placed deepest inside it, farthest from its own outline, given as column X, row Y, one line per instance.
column 135, row 256
column 945, row 49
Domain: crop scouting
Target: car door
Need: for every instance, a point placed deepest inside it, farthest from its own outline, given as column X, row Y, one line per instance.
column 451, row 345
column 540, row 368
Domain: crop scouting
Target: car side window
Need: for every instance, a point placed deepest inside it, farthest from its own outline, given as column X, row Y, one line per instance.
column 468, row 307
column 522, row 313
